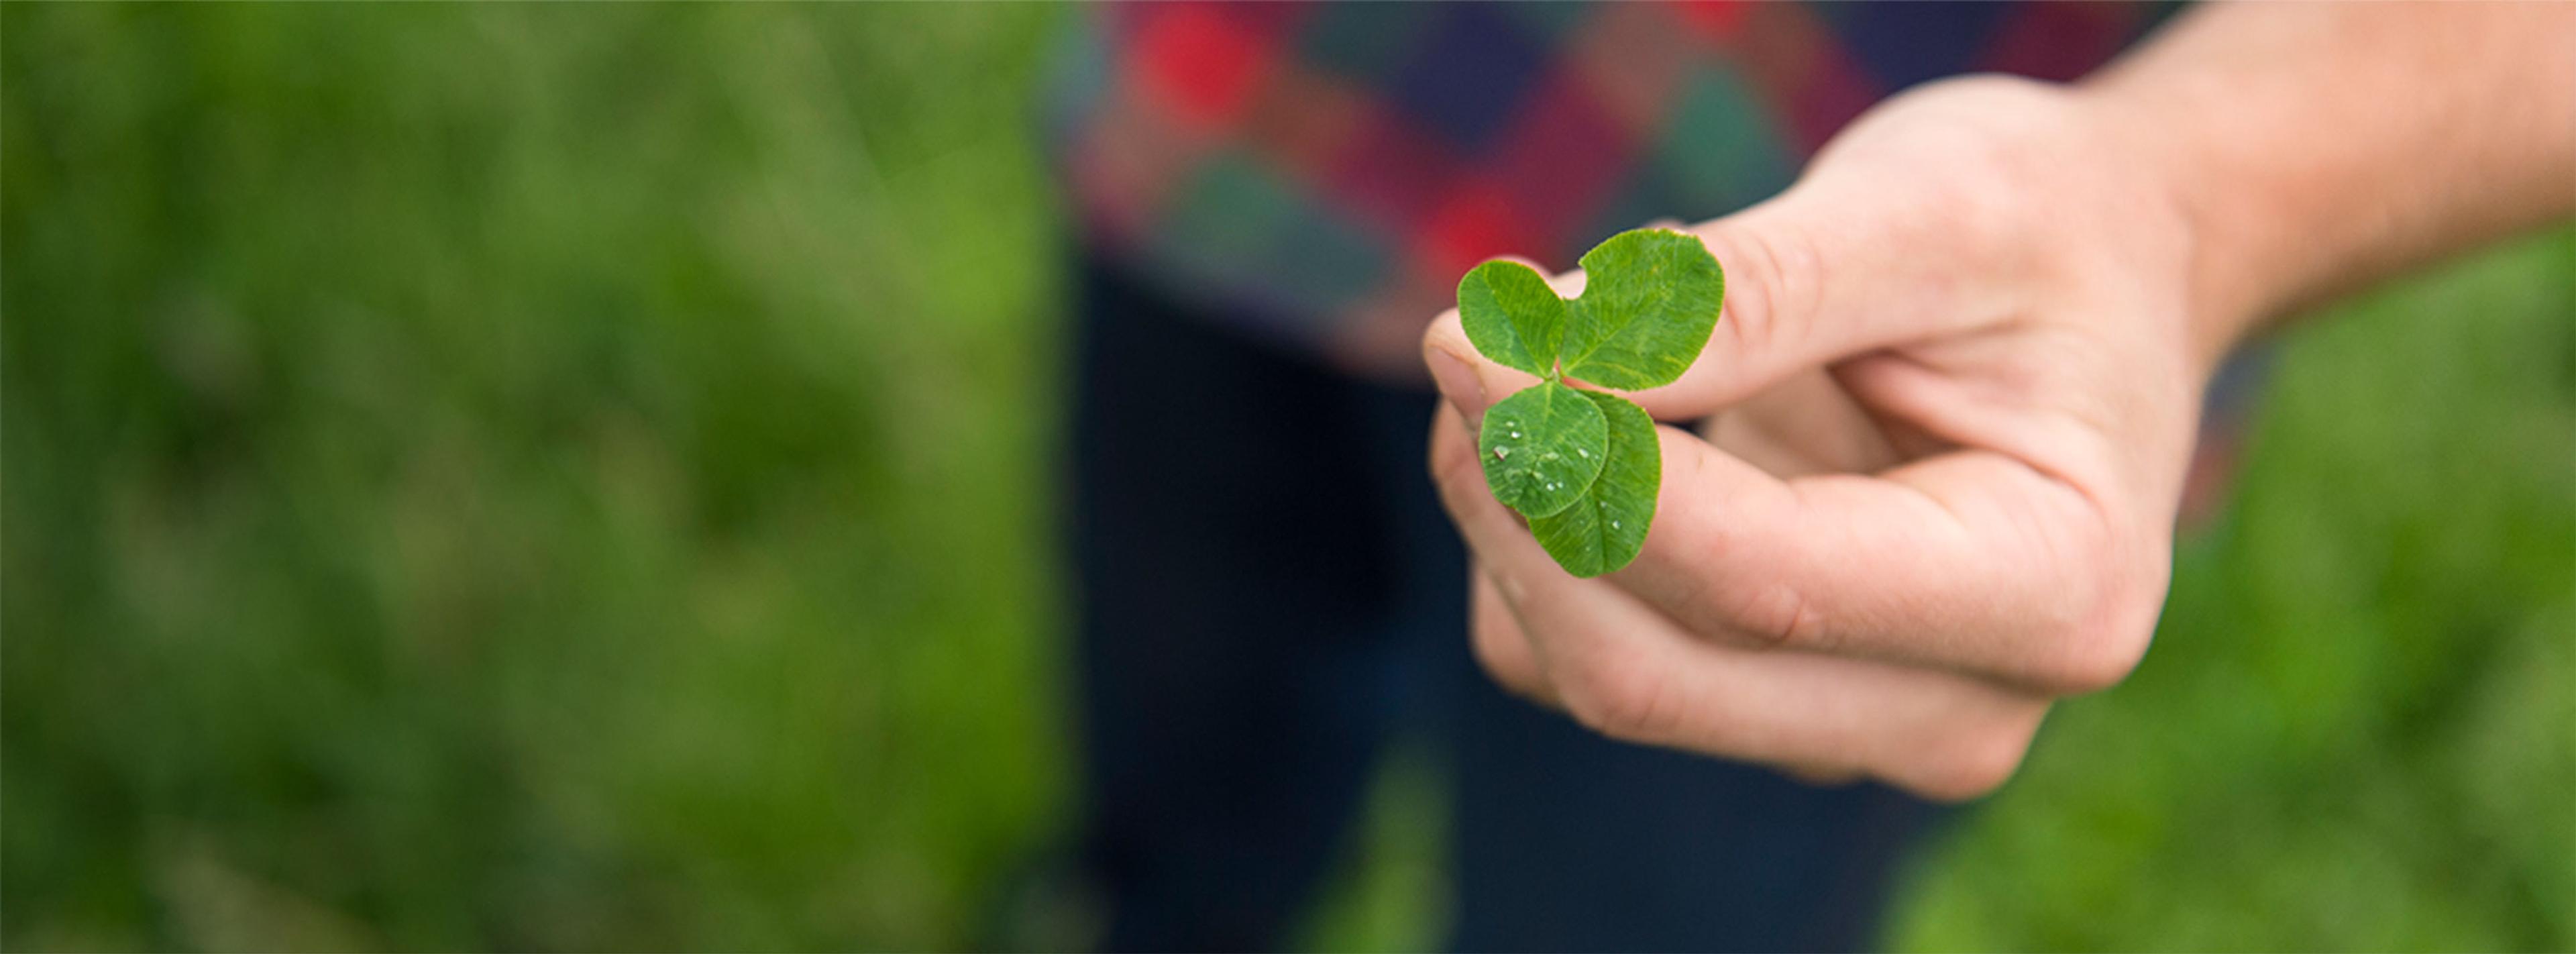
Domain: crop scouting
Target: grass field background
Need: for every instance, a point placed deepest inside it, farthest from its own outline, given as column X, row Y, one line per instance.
column 579, row 478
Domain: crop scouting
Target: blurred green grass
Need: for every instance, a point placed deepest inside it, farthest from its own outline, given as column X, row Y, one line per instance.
column 551, row 477
column 528, row 477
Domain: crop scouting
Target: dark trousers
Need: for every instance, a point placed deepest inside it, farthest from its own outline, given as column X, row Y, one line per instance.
column 1269, row 592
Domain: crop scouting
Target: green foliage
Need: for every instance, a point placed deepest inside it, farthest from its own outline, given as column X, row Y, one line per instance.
column 1543, row 447
column 1604, row 530
column 1512, row 316
column 1584, row 466
column 1650, row 297
column 522, row 478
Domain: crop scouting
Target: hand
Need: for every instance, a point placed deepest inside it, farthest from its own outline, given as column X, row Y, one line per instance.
column 1948, row 410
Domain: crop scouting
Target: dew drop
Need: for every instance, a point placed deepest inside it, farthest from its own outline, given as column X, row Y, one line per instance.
column 1516, row 435
column 1614, row 525
column 1583, row 452
column 1502, row 452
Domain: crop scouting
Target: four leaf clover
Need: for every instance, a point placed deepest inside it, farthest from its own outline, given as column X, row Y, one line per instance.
column 1584, row 465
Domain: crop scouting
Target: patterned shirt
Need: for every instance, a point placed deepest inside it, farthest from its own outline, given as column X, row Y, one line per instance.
column 1322, row 175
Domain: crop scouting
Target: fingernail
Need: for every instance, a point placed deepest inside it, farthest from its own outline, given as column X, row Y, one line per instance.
column 1458, row 382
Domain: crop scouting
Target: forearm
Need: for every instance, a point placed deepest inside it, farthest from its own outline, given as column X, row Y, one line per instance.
column 2315, row 147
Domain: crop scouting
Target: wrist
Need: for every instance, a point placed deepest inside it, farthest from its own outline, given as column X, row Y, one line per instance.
column 2231, row 265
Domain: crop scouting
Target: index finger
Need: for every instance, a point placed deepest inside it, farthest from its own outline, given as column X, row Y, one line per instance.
column 1969, row 560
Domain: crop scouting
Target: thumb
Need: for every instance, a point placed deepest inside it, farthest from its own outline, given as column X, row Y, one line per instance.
column 1811, row 278
column 1818, row 274
column 1466, row 380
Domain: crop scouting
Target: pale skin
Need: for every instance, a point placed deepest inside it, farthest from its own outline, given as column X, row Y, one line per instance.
column 1955, row 386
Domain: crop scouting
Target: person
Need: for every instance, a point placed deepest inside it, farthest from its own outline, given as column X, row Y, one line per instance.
column 1938, row 441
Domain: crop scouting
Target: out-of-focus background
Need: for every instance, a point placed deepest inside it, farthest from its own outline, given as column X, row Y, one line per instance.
column 551, row 477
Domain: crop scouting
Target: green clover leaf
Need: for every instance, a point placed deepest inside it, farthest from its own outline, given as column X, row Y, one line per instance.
column 1650, row 298
column 1604, row 529
column 1585, row 466
column 1542, row 448
column 1512, row 316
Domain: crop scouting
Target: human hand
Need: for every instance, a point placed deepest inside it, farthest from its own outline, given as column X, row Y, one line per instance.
column 1948, row 410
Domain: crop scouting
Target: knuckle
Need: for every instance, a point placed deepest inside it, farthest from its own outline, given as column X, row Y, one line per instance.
column 1453, row 464
column 1783, row 616
column 1776, row 615
column 1621, row 700
column 1508, row 665
column 1780, row 281
column 2104, row 629
column 1735, row 591
column 1490, row 656
column 2100, row 657
column 1975, row 764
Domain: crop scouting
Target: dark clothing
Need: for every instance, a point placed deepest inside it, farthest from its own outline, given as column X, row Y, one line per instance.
column 1270, row 593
